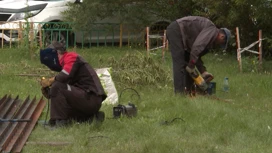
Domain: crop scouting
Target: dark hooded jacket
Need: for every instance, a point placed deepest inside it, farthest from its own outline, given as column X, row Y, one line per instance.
column 77, row 72
column 198, row 35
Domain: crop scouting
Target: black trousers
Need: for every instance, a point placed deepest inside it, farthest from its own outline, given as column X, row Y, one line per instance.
column 69, row 102
column 180, row 59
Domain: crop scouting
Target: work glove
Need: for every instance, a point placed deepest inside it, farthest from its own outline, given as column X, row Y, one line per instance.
column 47, row 82
column 191, row 71
column 208, row 77
column 46, row 92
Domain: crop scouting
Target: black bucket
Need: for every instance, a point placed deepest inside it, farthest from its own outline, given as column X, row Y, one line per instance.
column 211, row 88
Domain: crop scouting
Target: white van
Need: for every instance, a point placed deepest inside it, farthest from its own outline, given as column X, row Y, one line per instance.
column 48, row 11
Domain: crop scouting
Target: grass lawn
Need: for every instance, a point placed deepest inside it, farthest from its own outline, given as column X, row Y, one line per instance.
column 238, row 121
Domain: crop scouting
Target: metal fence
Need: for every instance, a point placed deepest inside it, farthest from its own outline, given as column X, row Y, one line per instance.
column 43, row 33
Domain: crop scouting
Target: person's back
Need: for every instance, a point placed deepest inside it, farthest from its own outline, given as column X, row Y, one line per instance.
column 195, row 23
column 81, row 73
column 196, row 27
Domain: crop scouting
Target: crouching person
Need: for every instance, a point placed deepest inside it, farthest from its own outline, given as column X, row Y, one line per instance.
column 76, row 92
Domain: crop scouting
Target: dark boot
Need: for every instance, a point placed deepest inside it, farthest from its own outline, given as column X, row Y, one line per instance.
column 52, row 122
column 62, row 123
column 200, row 92
column 99, row 116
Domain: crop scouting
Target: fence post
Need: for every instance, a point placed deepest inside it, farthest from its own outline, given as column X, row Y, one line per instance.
column 241, row 50
column 40, row 35
column 128, row 39
column 2, row 38
column 238, row 49
column 147, row 40
column 121, row 36
column 31, row 32
column 164, row 44
column 10, row 36
column 18, row 35
column 260, row 49
column 20, row 32
column 158, row 36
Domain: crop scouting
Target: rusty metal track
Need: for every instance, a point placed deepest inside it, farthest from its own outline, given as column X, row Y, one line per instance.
column 13, row 135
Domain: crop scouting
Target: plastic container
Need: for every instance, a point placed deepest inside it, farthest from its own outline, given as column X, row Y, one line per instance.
column 226, row 84
column 211, row 88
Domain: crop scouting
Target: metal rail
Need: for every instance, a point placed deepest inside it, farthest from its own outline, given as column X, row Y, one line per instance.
column 18, row 120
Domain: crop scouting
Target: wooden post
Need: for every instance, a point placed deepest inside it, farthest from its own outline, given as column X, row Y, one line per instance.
column 128, row 39
column 40, row 35
column 121, row 36
column 2, row 38
column 167, row 44
column 20, row 32
column 164, row 44
column 238, row 49
column 10, row 38
column 147, row 40
column 260, row 49
column 31, row 32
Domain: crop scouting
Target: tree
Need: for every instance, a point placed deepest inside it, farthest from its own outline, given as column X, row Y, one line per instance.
column 249, row 15
column 141, row 12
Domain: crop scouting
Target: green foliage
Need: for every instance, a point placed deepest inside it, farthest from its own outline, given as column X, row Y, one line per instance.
column 26, row 45
column 135, row 69
column 141, row 13
column 251, row 64
column 104, row 10
column 250, row 16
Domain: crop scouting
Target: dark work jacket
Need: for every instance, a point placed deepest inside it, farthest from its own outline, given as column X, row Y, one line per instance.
column 198, row 35
column 77, row 72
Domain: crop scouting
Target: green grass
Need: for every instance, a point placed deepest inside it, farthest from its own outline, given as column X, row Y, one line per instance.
column 240, row 122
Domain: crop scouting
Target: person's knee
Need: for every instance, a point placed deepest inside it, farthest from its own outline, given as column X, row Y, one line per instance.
column 56, row 88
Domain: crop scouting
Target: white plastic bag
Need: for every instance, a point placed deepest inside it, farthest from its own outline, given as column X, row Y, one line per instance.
column 108, row 85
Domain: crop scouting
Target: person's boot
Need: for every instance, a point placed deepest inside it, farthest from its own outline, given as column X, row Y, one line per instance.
column 99, row 116
column 52, row 122
column 62, row 123
column 200, row 92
